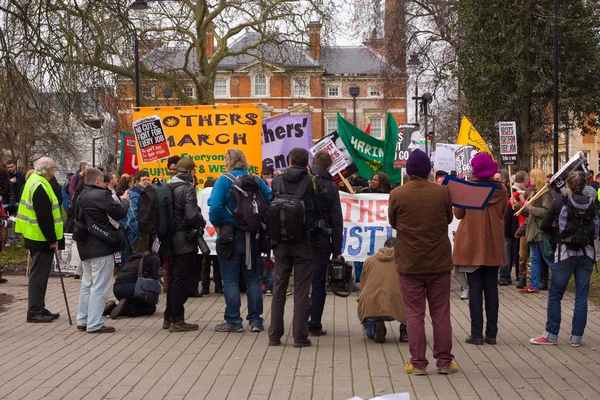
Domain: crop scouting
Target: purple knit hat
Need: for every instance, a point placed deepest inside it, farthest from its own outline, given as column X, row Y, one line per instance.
column 483, row 166
column 418, row 164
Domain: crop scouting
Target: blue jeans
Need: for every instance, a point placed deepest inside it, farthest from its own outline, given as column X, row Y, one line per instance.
column 581, row 267
column 369, row 325
column 96, row 282
column 230, row 273
column 536, row 250
column 318, row 292
column 511, row 246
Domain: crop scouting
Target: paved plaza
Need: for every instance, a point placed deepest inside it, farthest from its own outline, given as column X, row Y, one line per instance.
column 143, row 361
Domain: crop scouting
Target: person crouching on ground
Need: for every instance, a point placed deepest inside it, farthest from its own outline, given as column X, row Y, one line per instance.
column 577, row 260
column 380, row 297
column 479, row 246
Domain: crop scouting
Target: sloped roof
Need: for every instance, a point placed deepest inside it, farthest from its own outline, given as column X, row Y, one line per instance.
column 343, row 60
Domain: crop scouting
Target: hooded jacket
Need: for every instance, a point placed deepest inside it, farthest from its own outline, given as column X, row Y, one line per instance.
column 186, row 215
column 479, row 239
column 380, row 294
column 331, row 211
column 292, row 178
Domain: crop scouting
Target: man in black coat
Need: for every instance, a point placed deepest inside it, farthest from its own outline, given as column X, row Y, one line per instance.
column 189, row 223
column 96, row 209
column 328, row 236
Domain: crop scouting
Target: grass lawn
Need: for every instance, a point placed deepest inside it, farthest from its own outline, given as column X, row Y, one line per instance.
column 13, row 260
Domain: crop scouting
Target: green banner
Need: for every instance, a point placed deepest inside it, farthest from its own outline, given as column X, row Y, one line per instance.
column 371, row 155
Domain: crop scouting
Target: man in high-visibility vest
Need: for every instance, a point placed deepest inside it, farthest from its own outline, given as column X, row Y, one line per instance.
column 39, row 220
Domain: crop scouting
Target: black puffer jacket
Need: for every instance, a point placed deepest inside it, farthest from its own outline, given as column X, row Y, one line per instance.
column 331, row 211
column 97, row 204
column 292, row 178
column 186, row 214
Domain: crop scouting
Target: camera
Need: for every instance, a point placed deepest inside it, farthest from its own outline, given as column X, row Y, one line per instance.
column 322, row 225
column 201, row 243
column 7, row 222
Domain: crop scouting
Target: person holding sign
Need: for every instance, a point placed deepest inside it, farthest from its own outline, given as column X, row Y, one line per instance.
column 421, row 211
column 479, row 250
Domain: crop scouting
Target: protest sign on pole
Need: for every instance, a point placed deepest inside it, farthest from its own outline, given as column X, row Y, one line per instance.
column 282, row 134
column 462, row 158
column 409, row 138
column 366, row 224
column 128, row 157
column 508, row 142
column 342, row 161
column 468, row 135
column 445, row 159
column 205, row 134
column 151, row 138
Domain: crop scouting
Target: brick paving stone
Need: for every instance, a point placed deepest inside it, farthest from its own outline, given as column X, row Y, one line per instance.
column 141, row 360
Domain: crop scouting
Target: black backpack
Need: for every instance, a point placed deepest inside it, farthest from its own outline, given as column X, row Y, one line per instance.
column 578, row 224
column 249, row 205
column 287, row 213
column 155, row 210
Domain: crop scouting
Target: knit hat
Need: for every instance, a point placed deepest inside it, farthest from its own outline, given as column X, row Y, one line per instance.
column 483, row 166
column 185, row 165
column 418, row 164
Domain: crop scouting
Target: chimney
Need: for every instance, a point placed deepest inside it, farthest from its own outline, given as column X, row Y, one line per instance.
column 210, row 44
column 395, row 34
column 314, row 35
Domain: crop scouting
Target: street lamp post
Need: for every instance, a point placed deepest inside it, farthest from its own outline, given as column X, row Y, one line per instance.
column 425, row 100
column 413, row 63
column 137, row 5
column 354, row 92
column 555, row 106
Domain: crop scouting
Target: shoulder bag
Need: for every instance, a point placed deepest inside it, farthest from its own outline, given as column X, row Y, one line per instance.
column 147, row 290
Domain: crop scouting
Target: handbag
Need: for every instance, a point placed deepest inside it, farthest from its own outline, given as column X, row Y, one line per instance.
column 226, row 241
column 548, row 251
column 147, row 290
column 110, row 236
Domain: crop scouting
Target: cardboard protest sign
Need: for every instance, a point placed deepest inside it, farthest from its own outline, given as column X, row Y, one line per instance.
column 366, row 225
column 470, row 195
column 445, row 159
column 462, row 161
column 282, row 134
column 128, row 157
column 342, row 161
column 205, row 134
column 151, row 138
column 69, row 257
column 409, row 138
column 559, row 179
column 508, row 142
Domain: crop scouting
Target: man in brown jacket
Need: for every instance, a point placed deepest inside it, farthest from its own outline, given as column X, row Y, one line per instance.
column 420, row 211
column 380, row 297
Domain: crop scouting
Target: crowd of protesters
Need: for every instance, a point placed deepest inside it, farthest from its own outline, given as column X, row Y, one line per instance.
column 412, row 269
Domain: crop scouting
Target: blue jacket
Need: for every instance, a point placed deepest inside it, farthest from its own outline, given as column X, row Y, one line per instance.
column 220, row 198
column 65, row 196
column 130, row 222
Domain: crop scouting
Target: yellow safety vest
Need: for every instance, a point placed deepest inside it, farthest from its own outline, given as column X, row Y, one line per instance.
column 27, row 223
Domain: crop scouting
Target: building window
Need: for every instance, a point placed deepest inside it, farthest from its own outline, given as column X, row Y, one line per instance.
column 374, row 91
column 331, row 125
column 189, row 91
column 376, row 127
column 300, row 87
column 148, row 92
column 333, row 91
column 220, row 88
column 598, row 170
column 260, row 85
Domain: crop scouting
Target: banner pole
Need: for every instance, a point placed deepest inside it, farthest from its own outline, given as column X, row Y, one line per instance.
column 401, row 177
column 343, row 178
column 288, row 111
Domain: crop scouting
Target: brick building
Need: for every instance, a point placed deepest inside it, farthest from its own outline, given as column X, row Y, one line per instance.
column 318, row 77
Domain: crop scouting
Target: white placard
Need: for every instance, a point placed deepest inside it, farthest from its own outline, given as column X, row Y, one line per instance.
column 339, row 162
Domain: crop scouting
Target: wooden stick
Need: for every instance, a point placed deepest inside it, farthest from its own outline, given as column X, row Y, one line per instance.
column 536, row 196
column 343, row 178
column 289, row 111
column 401, row 177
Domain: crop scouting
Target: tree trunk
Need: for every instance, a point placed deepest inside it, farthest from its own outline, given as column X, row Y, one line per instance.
column 525, row 132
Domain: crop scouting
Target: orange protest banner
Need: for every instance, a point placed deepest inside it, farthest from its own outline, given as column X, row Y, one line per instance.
column 204, row 134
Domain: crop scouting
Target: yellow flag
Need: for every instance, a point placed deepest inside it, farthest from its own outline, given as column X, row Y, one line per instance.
column 468, row 135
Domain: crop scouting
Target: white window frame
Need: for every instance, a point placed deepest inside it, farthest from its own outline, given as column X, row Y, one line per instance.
column 337, row 87
column 190, row 91
column 374, row 91
column 266, row 94
column 381, row 127
column 328, row 127
column 598, row 170
column 148, row 92
column 226, row 94
column 297, row 87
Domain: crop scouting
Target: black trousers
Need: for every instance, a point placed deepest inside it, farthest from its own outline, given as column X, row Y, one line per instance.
column 41, row 265
column 301, row 258
column 318, row 293
column 181, row 283
column 483, row 281
column 134, row 309
column 206, row 263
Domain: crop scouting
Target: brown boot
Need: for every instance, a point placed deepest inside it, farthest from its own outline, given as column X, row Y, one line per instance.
column 182, row 326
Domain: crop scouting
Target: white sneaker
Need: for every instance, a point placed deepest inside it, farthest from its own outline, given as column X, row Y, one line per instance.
column 465, row 294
